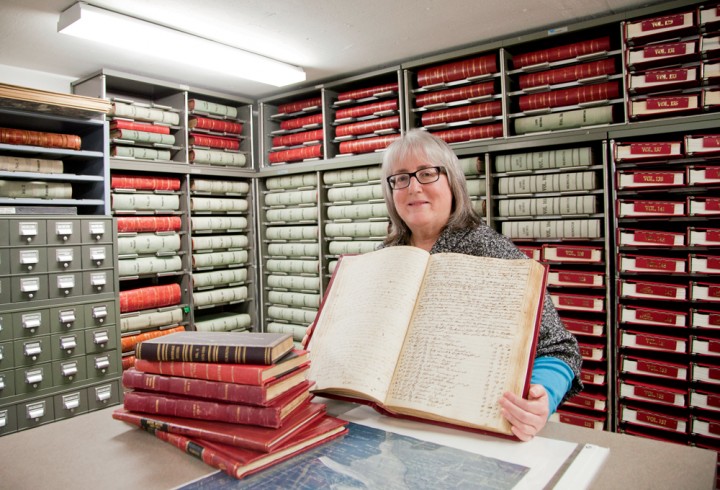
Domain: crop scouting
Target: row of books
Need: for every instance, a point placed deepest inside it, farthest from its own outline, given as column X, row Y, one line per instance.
column 240, row 402
column 216, row 134
column 300, row 125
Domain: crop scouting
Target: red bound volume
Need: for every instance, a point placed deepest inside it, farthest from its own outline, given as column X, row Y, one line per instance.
column 643, row 179
column 130, row 341
column 703, row 236
column 272, row 415
column 663, row 106
column 362, row 93
column 258, row 395
column 366, row 145
column 464, row 113
column 253, row 437
column 632, row 288
column 126, row 224
column 591, row 401
column 572, row 253
column 298, row 138
column 211, row 141
column 640, row 315
column 664, row 395
column 296, row 154
column 239, row 462
column 366, row 109
column 653, row 418
column 562, row 52
column 582, row 420
column 141, row 182
column 664, row 27
column 652, row 367
column 569, row 96
column 458, row 70
column 299, row 105
column 653, row 150
column 653, row 342
column 457, row 93
column 149, row 297
column 38, row 138
column 248, row 374
column 219, row 125
column 651, row 263
column 594, row 328
column 653, row 238
column 301, row 122
column 368, row 127
column 568, row 74
column 136, row 126
column 702, row 144
column 470, row 133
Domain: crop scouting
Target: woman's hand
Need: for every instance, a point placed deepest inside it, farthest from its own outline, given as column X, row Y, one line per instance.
column 527, row 417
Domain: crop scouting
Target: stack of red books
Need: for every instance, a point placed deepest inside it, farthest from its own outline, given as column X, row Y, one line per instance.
column 238, row 401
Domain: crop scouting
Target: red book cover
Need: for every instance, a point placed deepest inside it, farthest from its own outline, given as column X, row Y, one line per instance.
column 653, row 238
column 368, row 127
column 128, row 362
column 470, row 133
column 298, row 138
column 258, row 395
column 653, row 342
column 219, row 125
column 567, row 74
column 652, row 367
column 149, row 297
column 633, row 288
column 249, row 374
column 141, row 182
column 295, row 154
column 593, row 328
column 362, row 93
column 458, row 93
column 129, row 342
column 299, row 105
column 239, row 462
column 581, row 420
column 464, row 113
column 263, row 439
column 272, row 415
column 652, row 150
column 572, row 253
column 211, row 141
column 569, row 96
column 664, row 395
column 653, row 418
column 565, row 52
column 458, row 70
column 310, row 121
column 26, row 137
column 650, row 263
column 131, row 224
column 650, row 316
column 366, row 145
column 367, row 109
column 137, row 126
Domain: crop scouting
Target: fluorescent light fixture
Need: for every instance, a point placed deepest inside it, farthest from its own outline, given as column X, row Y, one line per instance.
column 123, row 32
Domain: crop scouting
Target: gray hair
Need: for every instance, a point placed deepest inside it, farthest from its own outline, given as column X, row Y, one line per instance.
column 422, row 145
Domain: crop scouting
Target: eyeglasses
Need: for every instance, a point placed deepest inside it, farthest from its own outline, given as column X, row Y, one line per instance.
column 424, row 176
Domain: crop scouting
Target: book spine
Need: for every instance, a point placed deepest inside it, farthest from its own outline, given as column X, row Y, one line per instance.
column 139, row 182
column 214, row 141
column 139, row 201
column 570, row 96
column 219, row 242
column 293, row 233
column 143, row 153
column 466, row 113
column 218, row 223
column 148, row 265
column 470, row 133
column 26, row 137
column 353, row 175
column 218, row 204
column 216, row 157
column 568, row 228
column 567, row 74
column 220, row 296
column 214, row 259
column 148, row 224
column 453, row 94
column 301, row 122
column 291, row 198
column 201, row 409
column 150, row 114
column 293, row 249
column 299, row 300
column 129, row 342
column 296, row 154
column 564, row 120
column 212, row 458
column 136, row 126
column 19, row 164
column 204, row 353
column 364, row 230
column 358, row 193
column 152, row 320
column 539, row 160
column 298, row 138
column 143, row 136
column 548, row 206
column 353, row 247
column 200, row 388
column 291, row 182
column 145, row 243
column 149, row 297
column 570, row 181
column 562, row 52
column 224, row 323
column 458, row 70
column 215, row 125
column 368, row 127
column 367, row 109
column 294, row 282
column 34, row 189
column 219, row 278
column 366, row 92
column 299, row 105
column 367, row 145
column 358, row 211
column 292, row 315
column 229, row 373
column 219, row 186
column 214, row 108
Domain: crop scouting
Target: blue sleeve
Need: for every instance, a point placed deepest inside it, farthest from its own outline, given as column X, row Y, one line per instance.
column 555, row 376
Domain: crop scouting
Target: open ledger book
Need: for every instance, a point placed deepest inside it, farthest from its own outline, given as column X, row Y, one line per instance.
column 433, row 337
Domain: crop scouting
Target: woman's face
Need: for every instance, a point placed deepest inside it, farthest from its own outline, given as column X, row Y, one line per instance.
column 425, row 208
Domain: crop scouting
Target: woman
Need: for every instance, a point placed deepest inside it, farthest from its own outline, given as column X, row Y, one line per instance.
column 426, row 196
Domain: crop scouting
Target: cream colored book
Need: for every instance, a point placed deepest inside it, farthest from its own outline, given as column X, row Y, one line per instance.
column 403, row 295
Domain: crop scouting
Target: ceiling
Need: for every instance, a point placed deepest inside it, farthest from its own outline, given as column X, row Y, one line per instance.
column 330, row 39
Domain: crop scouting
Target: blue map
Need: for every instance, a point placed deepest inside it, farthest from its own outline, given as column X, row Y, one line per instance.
column 369, row 458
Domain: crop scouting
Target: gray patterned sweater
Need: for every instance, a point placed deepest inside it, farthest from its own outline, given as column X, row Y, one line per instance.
column 553, row 340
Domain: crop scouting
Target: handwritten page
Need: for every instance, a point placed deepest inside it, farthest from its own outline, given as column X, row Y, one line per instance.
column 361, row 326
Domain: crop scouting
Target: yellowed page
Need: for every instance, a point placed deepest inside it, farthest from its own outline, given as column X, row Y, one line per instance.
column 468, row 342
column 362, row 324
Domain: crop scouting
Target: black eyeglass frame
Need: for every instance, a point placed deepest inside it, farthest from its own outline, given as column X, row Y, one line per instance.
column 410, row 175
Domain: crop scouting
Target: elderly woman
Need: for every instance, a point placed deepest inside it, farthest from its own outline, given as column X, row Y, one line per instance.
column 429, row 208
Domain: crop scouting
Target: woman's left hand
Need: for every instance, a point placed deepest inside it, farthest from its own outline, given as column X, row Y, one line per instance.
column 527, row 417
